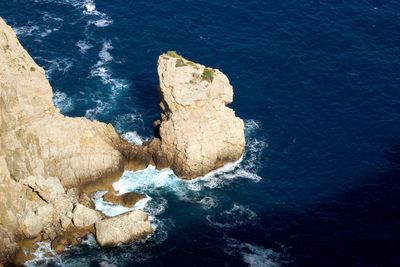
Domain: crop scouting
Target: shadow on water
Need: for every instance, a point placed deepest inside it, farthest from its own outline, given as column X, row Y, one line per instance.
column 358, row 228
column 146, row 97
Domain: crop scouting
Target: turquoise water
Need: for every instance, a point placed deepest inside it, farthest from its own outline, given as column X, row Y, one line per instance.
column 317, row 83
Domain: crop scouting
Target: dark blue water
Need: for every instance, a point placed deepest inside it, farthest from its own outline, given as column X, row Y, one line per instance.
column 318, row 84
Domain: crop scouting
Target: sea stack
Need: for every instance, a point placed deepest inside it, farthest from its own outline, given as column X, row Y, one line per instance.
column 198, row 132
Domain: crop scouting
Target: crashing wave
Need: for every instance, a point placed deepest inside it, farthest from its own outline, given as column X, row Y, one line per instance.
column 90, row 7
column 133, row 138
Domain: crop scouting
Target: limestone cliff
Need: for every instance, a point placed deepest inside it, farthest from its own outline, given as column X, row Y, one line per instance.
column 43, row 153
column 35, row 138
column 198, row 132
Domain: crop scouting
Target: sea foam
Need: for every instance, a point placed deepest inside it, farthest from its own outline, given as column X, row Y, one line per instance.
column 63, row 102
column 84, row 46
column 253, row 255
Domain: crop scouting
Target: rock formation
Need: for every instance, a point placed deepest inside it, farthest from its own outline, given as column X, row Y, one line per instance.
column 35, row 138
column 198, row 132
column 124, row 228
column 45, row 156
column 84, row 216
column 43, row 153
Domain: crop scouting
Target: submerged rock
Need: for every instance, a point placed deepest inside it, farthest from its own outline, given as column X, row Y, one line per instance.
column 71, row 237
column 125, row 228
column 127, row 200
column 198, row 132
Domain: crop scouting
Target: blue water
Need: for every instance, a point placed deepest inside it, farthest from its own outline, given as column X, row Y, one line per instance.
column 318, row 84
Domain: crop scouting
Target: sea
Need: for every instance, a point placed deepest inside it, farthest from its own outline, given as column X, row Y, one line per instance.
column 317, row 83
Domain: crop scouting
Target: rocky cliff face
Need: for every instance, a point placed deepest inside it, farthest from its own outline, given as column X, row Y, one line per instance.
column 35, row 138
column 198, row 132
column 43, row 153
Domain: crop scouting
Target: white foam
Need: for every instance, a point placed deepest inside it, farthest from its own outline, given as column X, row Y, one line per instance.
column 260, row 256
column 238, row 211
column 104, row 54
column 39, row 29
column 93, row 112
column 24, row 31
column 153, row 182
column 43, row 254
column 253, row 255
column 63, row 102
column 207, row 202
column 150, row 179
column 128, row 121
column 147, row 180
column 101, row 70
column 133, row 138
column 47, row 16
column 101, row 23
column 223, row 176
column 251, row 126
column 157, row 183
column 61, row 65
column 161, row 228
column 47, row 32
column 90, row 7
column 234, row 217
column 90, row 241
column 84, row 46
column 106, row 264
column 114, row 87
column 111, row 209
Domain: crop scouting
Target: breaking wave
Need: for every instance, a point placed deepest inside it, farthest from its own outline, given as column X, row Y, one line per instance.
column 111, row 209
column 155, row 182
column 133, row 138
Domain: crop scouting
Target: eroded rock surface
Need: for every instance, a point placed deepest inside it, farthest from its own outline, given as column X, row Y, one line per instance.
column 35, row 138
column 84, row 216
column 123, row 228
column 198, row 132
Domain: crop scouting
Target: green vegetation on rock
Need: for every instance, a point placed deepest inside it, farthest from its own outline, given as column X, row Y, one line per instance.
column 173, row 54
column 180, row 63
column 208, row 74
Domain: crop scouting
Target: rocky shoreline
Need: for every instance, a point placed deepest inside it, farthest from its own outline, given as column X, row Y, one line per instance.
column 50, row 164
